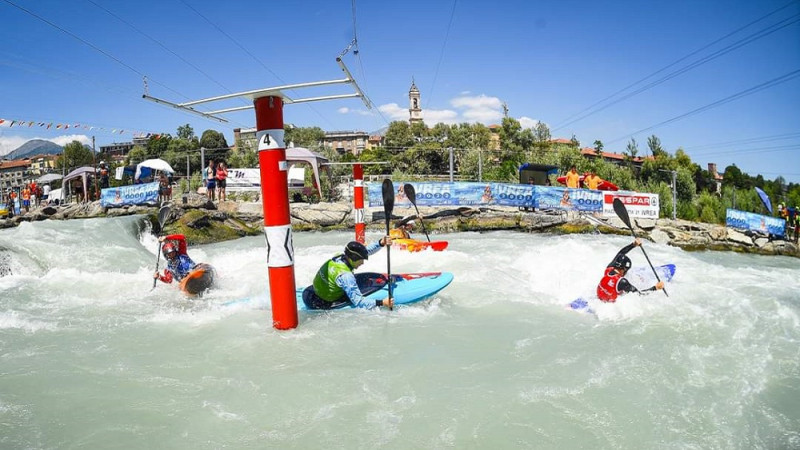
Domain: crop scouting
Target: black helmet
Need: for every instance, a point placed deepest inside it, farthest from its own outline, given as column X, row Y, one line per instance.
column 622, row 262
column 355, row 251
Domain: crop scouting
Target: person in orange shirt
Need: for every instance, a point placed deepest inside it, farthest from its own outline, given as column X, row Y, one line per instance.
column 26, row 197
column 573, row 179
column 592, row 181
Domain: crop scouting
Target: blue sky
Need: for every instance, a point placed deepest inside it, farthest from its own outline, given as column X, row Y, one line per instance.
column 711, row 77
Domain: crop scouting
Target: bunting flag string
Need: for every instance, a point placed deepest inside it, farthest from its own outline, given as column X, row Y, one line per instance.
column 66, row 125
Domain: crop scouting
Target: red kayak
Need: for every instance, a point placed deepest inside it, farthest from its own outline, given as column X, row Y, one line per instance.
column 603, row 186
column 413, row 245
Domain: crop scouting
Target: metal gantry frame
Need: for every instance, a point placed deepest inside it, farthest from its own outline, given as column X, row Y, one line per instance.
column 265, row 92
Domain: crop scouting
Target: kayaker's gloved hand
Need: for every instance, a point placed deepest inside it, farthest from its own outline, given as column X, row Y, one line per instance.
column 386, row 240
column 637, row 242
column 389, row 302
column 660, row 285
column 156, row 275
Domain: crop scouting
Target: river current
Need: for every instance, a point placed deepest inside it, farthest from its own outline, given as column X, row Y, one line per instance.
column 92, row 357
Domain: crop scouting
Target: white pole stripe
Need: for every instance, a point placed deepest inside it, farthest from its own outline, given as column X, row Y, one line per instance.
column 280, row 248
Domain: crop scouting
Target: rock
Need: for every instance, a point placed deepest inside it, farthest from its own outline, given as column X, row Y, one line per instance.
column 49, row 210
column 646, row 224
column 659, row 236
column 322, row 214
column 739, row 238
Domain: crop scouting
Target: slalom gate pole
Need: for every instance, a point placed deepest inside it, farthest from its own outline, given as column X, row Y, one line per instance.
column 358, row 202
column 275, row 200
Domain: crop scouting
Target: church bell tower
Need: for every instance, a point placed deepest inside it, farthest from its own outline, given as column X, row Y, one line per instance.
column 414, row 104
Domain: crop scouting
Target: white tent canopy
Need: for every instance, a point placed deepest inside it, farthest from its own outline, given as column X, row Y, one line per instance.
column 44, row 179
column 155, row 164
column 82, row 173
column 307, row 156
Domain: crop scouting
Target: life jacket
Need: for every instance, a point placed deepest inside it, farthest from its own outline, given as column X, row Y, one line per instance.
column 26, row 194
column 607, row 289
column 325, row 281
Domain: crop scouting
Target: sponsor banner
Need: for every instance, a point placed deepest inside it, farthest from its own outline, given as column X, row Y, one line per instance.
column 570, row 199
column 640, row 205
column 744, row 220
column 134, row 194
column 243, row 180
column 484, row 194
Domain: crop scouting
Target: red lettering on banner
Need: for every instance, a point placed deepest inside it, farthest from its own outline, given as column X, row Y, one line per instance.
column 631, row 200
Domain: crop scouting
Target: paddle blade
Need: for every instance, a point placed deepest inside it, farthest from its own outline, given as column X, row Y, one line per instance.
column 388, row 200
column 162, row 215
column 410, row 193
column 622, row 212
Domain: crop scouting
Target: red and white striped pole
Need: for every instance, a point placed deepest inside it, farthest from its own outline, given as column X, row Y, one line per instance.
column 358, row 202
column 275, row 199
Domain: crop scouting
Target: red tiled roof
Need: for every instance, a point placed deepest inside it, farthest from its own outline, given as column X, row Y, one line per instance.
column 13, row 163
column 609, row 155
column 561, row 141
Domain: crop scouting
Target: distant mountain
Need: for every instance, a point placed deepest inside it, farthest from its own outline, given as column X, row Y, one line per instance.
column 35, row 147
column 380, row 132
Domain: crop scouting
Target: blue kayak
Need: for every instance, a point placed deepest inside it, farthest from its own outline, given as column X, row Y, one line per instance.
column 640, row 277
column 407, row 288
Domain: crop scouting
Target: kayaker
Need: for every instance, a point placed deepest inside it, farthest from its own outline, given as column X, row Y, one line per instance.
column 614, row 282
column 178, row 262
column 335, row 284
column 402, row 228
column 592, row 181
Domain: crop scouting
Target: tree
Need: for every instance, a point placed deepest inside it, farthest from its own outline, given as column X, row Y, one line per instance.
column 215, row 144
column 654, row 144
column 74, row 155
column 157, row 145
column 575, row 142
column 399, row 135
column 186, row 132
column 598, row 147
column 306, row 137
column 632, row 149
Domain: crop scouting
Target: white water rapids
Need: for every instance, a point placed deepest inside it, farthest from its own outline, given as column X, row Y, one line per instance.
column 91, row 357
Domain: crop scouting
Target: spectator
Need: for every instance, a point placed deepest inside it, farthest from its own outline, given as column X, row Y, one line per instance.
column 103, row 175
column 164, row 189
column 210, row 175
column 573, row 179
column 222, row 175
column 26, row 197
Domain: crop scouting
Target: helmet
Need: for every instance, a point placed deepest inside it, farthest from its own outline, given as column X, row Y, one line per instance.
column 355, row 251
column 621, row 262
column 168, row 248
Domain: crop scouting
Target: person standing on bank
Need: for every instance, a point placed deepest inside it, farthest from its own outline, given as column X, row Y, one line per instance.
column 222, row 176
column 210, row 175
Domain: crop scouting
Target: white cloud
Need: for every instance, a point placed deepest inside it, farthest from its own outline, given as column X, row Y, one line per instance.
column 64, row 140
column 477, row 102
column 10, row 143
column 343, row 110
column 527, row 122
column 393, row 111
column 445, row 116
column 467, row 108
column 360, row 112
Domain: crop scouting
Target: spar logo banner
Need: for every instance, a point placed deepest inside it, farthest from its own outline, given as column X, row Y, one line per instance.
column 135, row 194
column 486, row 194
column 639, row 205
column 243, row 180
column 744, row 220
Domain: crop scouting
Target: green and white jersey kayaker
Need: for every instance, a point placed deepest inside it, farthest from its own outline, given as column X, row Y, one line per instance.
column 335, row 284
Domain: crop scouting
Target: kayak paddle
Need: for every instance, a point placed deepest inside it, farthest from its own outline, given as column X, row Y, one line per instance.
column 162, row 217
column 619, row 208
column 412, row 196
column 388, row 205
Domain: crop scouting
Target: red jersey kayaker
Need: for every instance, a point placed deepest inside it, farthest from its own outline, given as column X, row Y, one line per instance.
column 178, row 262
column 614, row 282
column 335, row 284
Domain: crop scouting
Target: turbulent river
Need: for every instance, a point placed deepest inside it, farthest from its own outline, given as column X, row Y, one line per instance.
column 92, row 357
